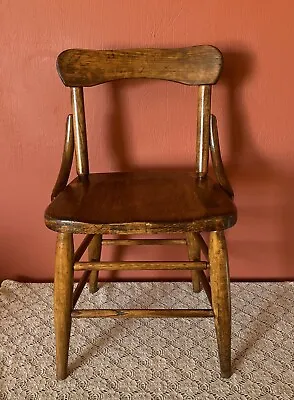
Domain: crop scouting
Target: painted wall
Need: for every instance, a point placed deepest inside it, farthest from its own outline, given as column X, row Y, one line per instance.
column 149, row 124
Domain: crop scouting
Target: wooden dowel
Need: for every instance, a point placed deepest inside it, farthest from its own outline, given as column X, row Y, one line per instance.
column 143, row 242
column 83, row 247
column 203, row 125
column 80, row 134
column 136, row 313
column 206, row 285
column 80, row 286
column 108, row 266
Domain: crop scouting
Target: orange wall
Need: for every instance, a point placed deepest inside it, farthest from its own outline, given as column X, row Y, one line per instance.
column 254, row 104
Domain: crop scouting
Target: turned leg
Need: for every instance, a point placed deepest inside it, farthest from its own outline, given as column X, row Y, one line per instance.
column 194, row 255
column 94, row 255
column 221, row 300
column 63, row 288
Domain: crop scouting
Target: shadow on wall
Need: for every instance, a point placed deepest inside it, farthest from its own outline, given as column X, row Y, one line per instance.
column 122, row 160
column 260, row 243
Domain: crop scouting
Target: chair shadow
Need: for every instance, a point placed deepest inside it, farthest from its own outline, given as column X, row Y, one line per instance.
column 117, row 143
column 253, row 175
column 256, row 177
column 260, row 181
column 119, row 152
column 116, row 329
column 259, row 328
column 246, row 167
column 88, row 351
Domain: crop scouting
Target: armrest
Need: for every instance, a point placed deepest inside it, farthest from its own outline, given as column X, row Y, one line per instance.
column 217, row 162
column 67, row 158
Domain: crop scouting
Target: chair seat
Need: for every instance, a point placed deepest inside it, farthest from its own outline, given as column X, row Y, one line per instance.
column 141, row 202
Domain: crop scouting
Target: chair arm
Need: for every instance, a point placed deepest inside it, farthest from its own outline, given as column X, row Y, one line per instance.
column 67, row 158
column 217, row 162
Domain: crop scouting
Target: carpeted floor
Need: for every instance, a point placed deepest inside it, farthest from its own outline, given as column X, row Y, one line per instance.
column 148, row 358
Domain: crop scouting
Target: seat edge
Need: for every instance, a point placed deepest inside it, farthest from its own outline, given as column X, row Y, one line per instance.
column 205, row 225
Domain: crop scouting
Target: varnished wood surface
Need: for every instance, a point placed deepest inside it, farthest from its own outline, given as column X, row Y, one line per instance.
column 216, row 157
column 205, row 284
column 80, row 132
column 221, row 298
column 67, row 158
column 141, row 202
column 143, row 242
column 192, row 65
column 80, row 286
column 63, row 287
column 82, row 247
column 202, row 244
column 136, row 313
column 94, row 252
column 202, row 138
column 194, row 255
column 139, row 265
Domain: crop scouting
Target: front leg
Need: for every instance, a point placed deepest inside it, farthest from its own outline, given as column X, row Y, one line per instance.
column 94, row 255
column 63, row 288
column 221, row 299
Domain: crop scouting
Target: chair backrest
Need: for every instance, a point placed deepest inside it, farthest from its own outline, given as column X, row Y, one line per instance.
column 196, row 65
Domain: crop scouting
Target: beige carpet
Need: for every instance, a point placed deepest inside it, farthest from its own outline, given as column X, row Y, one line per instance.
column 148, row 358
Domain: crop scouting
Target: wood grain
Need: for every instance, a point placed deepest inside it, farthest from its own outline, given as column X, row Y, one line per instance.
column 136, row 313
column 194, row 255
column 203, row 125
column 125, row 203
column 202, row 244
column 82, row 247
column 67, row 158
column 142, row 202
column 80, row 286
column 80, row 133
column 94, row 255
column 63, row 286
column 206, row 286
column 195, row 65
column 143, row 242
column 139, row 265
column 221, row 300
column 216, row 157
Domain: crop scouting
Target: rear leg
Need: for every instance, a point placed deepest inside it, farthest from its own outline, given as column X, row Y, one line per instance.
column 194, row 255
column 94, row 253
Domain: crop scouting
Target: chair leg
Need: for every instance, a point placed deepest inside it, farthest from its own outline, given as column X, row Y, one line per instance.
column 94, row 255
column 194, row 255
column 63, row 289
column 221, row 299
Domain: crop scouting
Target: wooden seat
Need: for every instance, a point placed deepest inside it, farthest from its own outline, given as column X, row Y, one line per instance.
column 141, row 202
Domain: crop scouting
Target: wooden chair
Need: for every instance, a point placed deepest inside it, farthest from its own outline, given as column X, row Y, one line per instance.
column 125, row 203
